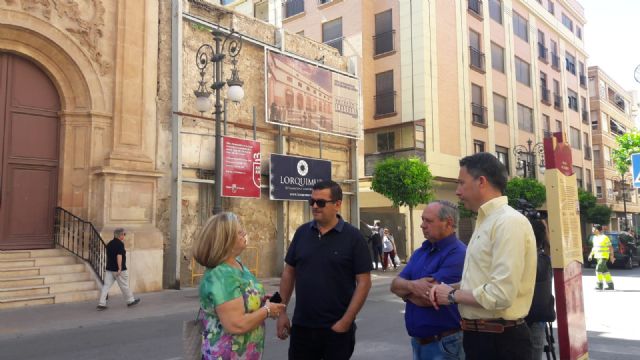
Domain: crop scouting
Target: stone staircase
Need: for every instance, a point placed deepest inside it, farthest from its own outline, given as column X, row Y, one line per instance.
column 50, row 276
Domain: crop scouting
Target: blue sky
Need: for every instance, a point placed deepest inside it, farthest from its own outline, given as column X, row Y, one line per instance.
column 612, row 38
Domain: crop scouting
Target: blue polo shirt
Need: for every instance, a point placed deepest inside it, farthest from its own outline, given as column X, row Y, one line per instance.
column 326, row 268
column 442, row 261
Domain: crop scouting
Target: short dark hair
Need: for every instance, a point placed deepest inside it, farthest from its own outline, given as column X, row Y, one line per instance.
column 336, row 190
column 598, row 227
column 487, row 165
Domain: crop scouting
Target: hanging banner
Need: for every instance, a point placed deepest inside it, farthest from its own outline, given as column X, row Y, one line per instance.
column 240, row 168
column 293, row 177
column 303, row 95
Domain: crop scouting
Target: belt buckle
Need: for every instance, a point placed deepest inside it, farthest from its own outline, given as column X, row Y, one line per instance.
column 482, row 326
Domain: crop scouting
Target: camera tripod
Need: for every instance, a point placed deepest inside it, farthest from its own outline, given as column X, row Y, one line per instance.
column 549, row 348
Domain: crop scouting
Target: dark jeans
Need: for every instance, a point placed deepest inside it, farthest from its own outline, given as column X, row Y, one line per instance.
column 316, row 344
column 513, row 344
column 377, row 254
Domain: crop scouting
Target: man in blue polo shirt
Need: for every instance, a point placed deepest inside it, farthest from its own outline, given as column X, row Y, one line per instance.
column 440, row 259
column 329, row 264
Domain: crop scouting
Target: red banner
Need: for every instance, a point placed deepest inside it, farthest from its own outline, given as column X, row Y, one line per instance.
column 240, row 168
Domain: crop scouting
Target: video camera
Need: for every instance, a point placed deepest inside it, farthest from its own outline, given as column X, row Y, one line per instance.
column 525, row 208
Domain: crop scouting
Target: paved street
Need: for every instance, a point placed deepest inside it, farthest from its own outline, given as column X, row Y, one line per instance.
column 153, row 329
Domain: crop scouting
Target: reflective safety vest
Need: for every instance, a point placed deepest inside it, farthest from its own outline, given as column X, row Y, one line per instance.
column 601, row 244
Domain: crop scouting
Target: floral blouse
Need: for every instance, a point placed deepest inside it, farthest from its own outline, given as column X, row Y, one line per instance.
column 219, row 285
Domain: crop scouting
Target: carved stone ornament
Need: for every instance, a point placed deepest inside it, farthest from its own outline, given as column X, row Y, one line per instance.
column 87, row 31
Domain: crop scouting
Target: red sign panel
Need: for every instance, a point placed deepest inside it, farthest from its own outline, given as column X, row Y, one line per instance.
column 240, row 168
column 570, row 309
column 557, row 154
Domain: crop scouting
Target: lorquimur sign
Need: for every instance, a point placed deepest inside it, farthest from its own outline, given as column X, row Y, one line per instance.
column 293, row 177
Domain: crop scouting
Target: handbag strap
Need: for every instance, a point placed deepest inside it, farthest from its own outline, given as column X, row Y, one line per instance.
column 200, row 312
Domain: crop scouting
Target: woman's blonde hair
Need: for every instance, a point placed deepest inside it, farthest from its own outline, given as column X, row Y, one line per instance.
column 216, row 239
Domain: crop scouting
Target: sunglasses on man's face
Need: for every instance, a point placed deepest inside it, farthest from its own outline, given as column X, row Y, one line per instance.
column 320, row 202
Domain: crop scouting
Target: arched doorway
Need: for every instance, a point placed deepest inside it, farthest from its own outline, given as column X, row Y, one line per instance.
column 29, row 154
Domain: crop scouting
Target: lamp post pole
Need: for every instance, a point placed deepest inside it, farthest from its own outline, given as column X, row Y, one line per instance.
column 215, row 55
column 624, row 204
column 526, row 158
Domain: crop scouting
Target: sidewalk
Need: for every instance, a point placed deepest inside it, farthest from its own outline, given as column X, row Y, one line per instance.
column 47, row 318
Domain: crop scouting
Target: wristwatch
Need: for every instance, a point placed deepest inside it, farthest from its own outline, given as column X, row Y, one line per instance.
column 451, row 297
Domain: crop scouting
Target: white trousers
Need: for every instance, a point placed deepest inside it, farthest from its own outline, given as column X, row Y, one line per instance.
column 123, row 283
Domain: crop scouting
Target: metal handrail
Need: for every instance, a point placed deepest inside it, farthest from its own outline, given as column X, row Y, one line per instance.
column 384, row 42
column 82, row 239
column 476, row 58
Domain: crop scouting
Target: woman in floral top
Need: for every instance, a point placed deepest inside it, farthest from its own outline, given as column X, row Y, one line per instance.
column 230, row 296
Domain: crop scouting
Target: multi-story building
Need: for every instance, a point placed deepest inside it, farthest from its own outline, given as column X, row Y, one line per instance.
column 458, row 77
column 611, row 116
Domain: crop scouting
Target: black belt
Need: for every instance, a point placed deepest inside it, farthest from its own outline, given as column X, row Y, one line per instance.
column 434, row 338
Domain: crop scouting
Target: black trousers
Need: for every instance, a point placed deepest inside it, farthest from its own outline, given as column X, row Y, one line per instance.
column 321, row 344
column 513, row 344
column 377, row 254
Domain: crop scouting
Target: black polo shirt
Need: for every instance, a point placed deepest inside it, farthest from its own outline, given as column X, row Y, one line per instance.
column 326, row 268
column 115, row 248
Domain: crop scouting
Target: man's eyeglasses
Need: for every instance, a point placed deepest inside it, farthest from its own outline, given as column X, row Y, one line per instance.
column 320, row 202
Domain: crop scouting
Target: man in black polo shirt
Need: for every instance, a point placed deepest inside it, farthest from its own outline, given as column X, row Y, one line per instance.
column 116, row 271
column 329, row 263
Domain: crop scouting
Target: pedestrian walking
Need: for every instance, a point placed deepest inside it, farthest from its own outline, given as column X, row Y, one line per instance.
column 602, row 251
column 375, row 241
column 329, row 264
column 116, row 270
column 497, row 283
column 389, row 250
column 440, row 259
column 231, row 298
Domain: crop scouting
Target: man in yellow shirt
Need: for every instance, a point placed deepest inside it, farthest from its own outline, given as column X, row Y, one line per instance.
column 499, row 271
column 603, row 252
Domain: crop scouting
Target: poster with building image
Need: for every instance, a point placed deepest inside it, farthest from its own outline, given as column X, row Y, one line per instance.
column 303, row 95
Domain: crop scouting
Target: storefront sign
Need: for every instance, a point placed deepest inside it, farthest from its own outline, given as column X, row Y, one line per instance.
column 240, row 168
column 293, row 177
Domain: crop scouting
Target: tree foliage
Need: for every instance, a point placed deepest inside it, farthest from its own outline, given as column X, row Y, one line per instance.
column 628, row 144
column 526, row 188
column 590, row 211
column 404, row 181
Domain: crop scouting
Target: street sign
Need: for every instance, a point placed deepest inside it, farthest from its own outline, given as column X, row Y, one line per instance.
column 635, row 165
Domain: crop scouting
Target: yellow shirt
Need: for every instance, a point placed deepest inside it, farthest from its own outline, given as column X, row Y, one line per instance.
column 500, row 266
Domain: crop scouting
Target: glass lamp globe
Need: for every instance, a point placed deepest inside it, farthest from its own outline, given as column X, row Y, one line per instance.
column 203, row 103
column 235, row 93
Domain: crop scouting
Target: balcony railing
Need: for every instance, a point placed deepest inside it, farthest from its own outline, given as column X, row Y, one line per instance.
column 571, row 67
column 477, row 58
column 370, row 160
column 587, row 153
column 293, row 7
column 585, row 117
column 547, row 134
column 336, row 43
column 619, row 104
column 557, row 101
column 542, row 52
column 384, row 42
column 475, row 6
column 385, row 103
column 589, row 187
column 555, row 61
column 545, row 95
column 583, row 81
column 478, row 114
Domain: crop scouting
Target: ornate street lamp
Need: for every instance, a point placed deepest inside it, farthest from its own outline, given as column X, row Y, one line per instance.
column 623, row 181
column 215, row 55
column 526, row 158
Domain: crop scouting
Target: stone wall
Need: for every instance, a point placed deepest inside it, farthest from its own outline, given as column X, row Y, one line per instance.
column 258, row 215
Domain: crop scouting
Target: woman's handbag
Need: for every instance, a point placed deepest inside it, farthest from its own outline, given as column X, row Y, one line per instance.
column 192, row 338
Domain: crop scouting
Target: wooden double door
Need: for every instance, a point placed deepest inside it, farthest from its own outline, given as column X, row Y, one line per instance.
column 29, row 154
